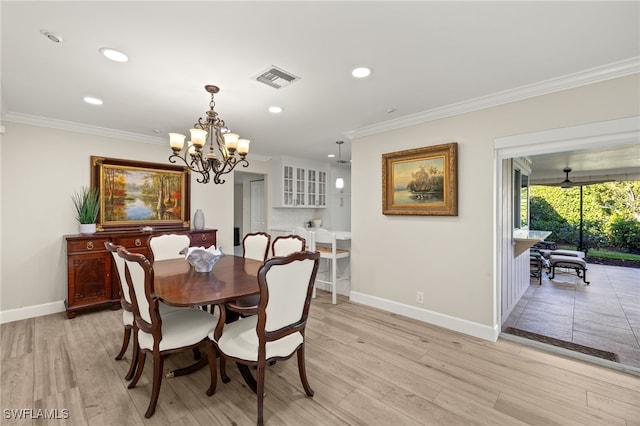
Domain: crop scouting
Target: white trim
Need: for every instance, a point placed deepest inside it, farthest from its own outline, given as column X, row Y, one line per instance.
column 570, row 81
column 623, row 131
column 430, row 317
column 81, row 128
column 31, row 311
column 86, row 129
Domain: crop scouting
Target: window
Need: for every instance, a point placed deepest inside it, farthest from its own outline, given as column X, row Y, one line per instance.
column 520, row 199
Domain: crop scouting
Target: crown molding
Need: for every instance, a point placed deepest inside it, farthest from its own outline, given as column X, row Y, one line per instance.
column 81, row 128
column 593, row 75
column 93, row 130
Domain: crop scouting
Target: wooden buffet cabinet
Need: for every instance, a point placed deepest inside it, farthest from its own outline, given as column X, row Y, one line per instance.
column 92, row 280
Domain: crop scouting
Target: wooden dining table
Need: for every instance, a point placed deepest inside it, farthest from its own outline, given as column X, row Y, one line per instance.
column 177, row 283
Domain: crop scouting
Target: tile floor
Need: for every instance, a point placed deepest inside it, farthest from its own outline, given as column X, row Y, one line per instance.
column 603, row 315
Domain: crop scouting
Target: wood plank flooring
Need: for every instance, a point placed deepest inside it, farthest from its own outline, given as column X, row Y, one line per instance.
column 367, row 367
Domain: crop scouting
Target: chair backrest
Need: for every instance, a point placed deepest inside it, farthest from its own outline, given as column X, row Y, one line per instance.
column 139, row 275
column 323, row 236
column 286, row 285
column 120, row 268
column 168, row 246
column 256, row 246
column 284, row 245
column 307, row 235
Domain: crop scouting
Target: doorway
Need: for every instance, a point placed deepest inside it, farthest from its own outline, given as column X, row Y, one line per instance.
column 250, row 212
column 579, row 139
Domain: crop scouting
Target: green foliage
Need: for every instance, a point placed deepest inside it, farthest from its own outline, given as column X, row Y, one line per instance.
column 626, row 235
column 611, row 214
column 87, row 204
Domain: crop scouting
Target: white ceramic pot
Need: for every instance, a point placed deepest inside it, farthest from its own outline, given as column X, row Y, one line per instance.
column 87, row 228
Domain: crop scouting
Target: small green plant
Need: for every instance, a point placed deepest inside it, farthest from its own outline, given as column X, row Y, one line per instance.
column 87, row 204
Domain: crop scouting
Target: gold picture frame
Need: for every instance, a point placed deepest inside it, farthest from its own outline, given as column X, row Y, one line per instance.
column 421, row 181
column 137, row 194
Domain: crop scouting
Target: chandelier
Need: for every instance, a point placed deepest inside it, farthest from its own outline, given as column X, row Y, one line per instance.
column 211, row 131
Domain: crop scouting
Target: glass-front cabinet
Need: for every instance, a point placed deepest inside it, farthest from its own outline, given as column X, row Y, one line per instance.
column 303, row 186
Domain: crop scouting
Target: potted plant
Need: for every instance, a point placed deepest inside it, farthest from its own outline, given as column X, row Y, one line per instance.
column 87, row 204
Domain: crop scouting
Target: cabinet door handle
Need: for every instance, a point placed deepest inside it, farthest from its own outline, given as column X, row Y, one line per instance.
column 137, row 242
column 89, row 245
column 203, row 237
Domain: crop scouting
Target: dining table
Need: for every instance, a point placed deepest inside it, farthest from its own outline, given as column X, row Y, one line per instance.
column 177, row 283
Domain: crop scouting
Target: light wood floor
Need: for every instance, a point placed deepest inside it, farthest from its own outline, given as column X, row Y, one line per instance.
column 367, row 367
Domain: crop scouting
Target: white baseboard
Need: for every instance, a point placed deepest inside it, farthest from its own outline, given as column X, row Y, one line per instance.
column 456, row 324
column 31, row 311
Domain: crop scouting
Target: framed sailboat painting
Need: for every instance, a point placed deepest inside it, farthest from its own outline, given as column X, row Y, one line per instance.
column 421, row 181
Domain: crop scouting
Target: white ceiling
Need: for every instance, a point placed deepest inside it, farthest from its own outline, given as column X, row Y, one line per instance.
column 424, row 56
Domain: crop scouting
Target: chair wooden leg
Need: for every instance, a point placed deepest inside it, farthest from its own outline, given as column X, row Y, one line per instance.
column 260, row 393
column 158, row 362
column 303, row 372
column 125, row 342
column 196, row 354
column 134, row 359
column 212, row 369
column 223, row 370
column 141, row 358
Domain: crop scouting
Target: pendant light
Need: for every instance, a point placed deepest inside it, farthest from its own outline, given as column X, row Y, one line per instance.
column 339, row 180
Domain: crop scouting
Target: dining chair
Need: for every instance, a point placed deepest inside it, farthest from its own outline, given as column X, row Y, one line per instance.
column 160, row 334
column 256, row 246
column 325, row 242
column 284, row 245
column 277, row 332
column 168, row 246
column 127, row 310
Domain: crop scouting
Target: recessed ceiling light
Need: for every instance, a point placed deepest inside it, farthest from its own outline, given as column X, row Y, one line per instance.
column 92, row 101
column 331, row 155
column 275, row 109
column 113, row 54
column 361, row 72
column 51, row 36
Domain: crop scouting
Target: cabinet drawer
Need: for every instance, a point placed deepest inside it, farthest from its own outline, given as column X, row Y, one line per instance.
column 87, row 245
column 131, row 241
column 203, row 238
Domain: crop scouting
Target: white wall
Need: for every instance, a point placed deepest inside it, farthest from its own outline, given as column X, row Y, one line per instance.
column 40, row 169
column 451, row 259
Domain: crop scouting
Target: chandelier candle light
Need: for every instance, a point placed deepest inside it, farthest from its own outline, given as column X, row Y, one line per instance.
column 207, row 131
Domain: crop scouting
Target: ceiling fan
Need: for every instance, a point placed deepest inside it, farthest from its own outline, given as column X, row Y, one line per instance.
column 568, row 183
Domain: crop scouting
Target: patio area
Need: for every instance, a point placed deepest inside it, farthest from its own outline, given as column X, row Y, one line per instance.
column 604, row 315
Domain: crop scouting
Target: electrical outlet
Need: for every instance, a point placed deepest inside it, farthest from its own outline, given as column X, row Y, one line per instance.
column 420, row 297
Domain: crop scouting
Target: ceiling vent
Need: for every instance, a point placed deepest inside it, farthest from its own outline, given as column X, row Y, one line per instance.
column 276, row 77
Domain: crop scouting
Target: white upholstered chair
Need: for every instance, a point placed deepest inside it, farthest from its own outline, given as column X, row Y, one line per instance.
column 127, row 311
column 160, row 334
column 277, row 332
column 168, row 246
column 325, row 242
column 284, row 245
column 256, row 246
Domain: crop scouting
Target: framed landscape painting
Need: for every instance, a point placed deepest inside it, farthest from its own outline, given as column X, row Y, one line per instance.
column 421, row 181
column 135, row 194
